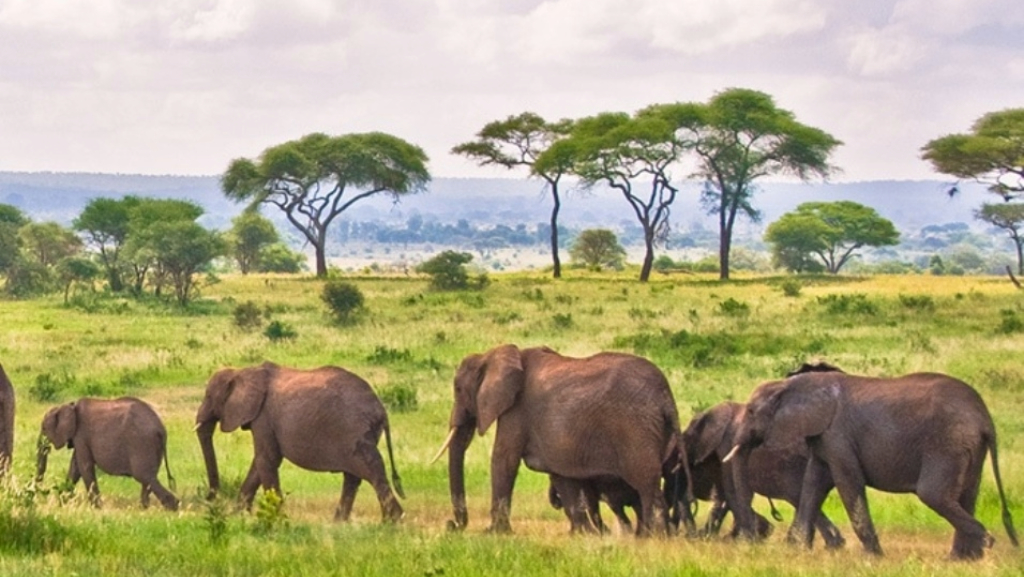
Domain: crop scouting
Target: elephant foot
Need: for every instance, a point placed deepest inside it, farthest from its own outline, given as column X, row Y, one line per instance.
column 500, row 527
column 971, row 549
column 453, row 527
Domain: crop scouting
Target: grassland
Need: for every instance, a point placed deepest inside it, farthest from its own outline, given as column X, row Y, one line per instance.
column 714, row 340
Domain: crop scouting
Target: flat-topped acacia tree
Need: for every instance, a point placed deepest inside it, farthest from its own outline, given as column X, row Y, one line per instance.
column 316, row 178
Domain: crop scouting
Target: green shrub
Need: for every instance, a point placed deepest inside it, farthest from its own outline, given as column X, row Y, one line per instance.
column 279, row 331
column 791, row 287
column 23, row 529
column 49, row 387
column 269, row 511
column 562, row 320
column 343, row 298
column 924, row 303
column 731, row 307
column 400, row 398
column 447, row 271
column 248, row 316
column 843, row 304
column 382, row 355
column 1009, row 322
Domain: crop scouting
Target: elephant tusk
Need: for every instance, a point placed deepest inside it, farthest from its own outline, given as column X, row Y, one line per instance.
column 196, row 428
column 732, row 453
column 444, row 447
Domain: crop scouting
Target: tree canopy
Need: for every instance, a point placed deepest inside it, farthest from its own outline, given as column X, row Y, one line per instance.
column 520, row 141
column 738, row 137
column 105, row 224
column 316, row 178
column 251, row 233
column 992, row 153
column 598, row 248
column 830, row 231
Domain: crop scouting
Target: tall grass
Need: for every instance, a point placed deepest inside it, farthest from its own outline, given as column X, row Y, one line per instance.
column 714, row 341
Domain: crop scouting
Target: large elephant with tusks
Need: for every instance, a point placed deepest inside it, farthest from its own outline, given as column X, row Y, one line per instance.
column 607, row 415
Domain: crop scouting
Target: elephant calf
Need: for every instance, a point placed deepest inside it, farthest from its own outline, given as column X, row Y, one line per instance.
column 579, row 499
column 122, row 437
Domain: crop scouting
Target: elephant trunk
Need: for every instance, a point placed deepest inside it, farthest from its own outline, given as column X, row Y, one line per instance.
column 42, row 453
column 463, row 435
column 205, row 432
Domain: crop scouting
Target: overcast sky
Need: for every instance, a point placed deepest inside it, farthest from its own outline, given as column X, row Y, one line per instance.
column 184, row 86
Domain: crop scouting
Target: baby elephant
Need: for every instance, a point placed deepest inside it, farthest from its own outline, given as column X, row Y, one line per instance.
column 121, row 436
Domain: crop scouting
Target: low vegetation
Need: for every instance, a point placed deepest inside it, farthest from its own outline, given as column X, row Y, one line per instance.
column 714, row 340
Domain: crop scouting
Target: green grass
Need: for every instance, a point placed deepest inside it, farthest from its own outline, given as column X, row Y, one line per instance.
column 714, row 341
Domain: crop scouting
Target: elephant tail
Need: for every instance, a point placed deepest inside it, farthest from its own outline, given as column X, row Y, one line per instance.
column 171, row 483
column 395, row 479
column 1007, row 519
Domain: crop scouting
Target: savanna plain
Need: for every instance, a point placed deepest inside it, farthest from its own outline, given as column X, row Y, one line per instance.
column 714, row 340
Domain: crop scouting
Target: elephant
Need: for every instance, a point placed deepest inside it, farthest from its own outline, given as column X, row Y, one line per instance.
column 121, row 436
column 323, row 419
column 925, row 433
column 580, row 501
column 6, row 422
column 775, row 471
column 607, row 415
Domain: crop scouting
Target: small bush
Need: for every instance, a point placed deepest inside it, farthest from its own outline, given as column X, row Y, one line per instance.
column 343, row 298
column 791, row 288
column 848, row 304
column 248, row 316
column 400, row 398
column 279, row 331
column 382, row 355
column 269, row 510
column 1009, row 322
column 448, row 272
column 49, row 387
column 924, row 303
column 23, row 529
column 562, row 320
column 731, row 307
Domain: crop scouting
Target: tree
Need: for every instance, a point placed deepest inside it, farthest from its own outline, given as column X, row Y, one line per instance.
column 48, row 242
column 992, row 153
column 738, row 137
column 105, row 224
column 279, row 258
column 184, row 249
column 520, row 141
column 632, row 156
column 597, row 248
column 831, row 231
column 11, row 219
column 148, row 221
column 250, row 234
column 316, row 178
column 1009, row 217
column 75, row 269
column 447, row 271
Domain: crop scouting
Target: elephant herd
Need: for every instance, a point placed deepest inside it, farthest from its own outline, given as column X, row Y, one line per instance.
column 604, row 428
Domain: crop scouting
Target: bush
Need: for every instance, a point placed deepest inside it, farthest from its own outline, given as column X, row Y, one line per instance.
column 400, row 398
column 343, row 298
column 248, row 316
column 848, row 304
column 791, row 287
column 447, row 271
column 598, row 248
column 278, row 331
column 731, row 307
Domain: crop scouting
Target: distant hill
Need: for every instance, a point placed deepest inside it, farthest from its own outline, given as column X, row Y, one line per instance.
column 911, row 205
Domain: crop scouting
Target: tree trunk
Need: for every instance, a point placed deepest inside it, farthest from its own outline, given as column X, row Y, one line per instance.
column 557, row 271
column 645, row 270
column 724, row 247
column 321, row 260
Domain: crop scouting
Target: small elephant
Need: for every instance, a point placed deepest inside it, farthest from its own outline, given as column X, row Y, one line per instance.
column 775, row 470
column 120, row 436
column 607, row 415
column 925, row 433
column 6, row 422
column 580, row 501
column 325, row 419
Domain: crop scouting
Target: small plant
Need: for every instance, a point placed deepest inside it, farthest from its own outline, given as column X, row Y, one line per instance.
column 216, row 519
column 836, row 304
column 400, row 398
column 248, row 316
column 448, row 272
column 48, row 387
column 343, row 298
column 23, row 529
column 791, row 288
column 923, row 303
column 562, row 320
column 382, row 355
column 269, row 510
column 731, row 307
column 1009, row 322
column 279, row 331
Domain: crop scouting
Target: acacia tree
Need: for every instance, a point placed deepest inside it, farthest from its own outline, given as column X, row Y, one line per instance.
column 738, row 137
column 992, row 153
column 519, row 141
column 144, row 242
column 316, row 178
column 1009, row 217
column 597, row 248
column 831, row 231
column 631, row 155
column 104, row 222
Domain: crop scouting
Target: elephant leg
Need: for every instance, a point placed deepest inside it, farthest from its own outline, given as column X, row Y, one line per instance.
column 247, row 492
column 719, row 509
column 504, row 468
column 812, row 497
column 592, row 500
column 829, row 532
column 144, row 495
column 938, row 489
column 652, row 515
column 74, row 475
column 852, row 490
column 87, row 468
column 349, row 487
column 370, row 466
column 574, row 502
column 167, row 499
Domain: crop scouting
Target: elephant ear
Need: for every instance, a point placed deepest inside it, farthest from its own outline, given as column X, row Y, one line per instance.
column 246, row 392
column 60, row 425
column 502, row 379
column 805, row 408
column 706, row 432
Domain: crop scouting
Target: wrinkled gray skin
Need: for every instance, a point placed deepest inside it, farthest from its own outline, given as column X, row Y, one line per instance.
column 774, row 470
column 324, row 419
column 608, row 415
column 122, row 437
column 6, row 422
column 923, row 433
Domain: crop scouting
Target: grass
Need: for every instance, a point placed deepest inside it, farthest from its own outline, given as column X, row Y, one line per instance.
column 410, row 339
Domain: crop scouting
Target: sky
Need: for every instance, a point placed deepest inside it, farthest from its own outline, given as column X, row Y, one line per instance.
column 185, row 86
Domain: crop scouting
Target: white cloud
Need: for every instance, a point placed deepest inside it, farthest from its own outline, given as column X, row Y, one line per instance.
column 887, row 51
